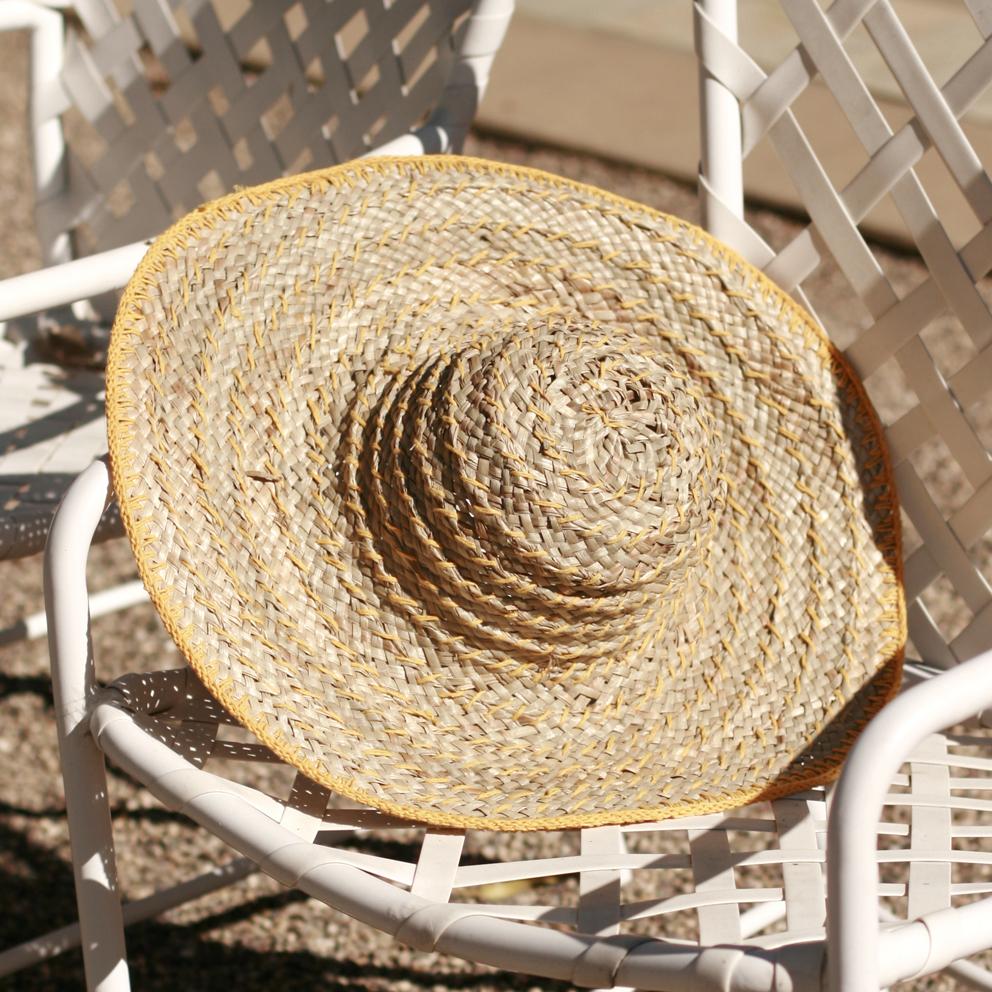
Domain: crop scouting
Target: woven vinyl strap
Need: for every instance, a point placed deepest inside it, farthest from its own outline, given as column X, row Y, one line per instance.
column 921, row 344
column 489, row 499
column 178, row 100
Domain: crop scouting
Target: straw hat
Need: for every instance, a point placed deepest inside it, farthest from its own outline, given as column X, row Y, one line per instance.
column 490, row 499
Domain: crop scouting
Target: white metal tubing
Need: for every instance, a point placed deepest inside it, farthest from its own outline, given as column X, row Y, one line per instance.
column 463, row 930
column 857, row 804
column 469, row 78
column 971, row 974
column 87, row 277
column 66, row 938
column 83, row 771
column 466, row 83
column 406, row 144
column 45, row 100
column 933, row 942
column 720, row 129
column 249, row 822
column 764, row 914
column 118, row 597
column 79, row 279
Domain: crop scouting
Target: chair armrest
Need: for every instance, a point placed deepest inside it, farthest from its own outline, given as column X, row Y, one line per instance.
column 79, row 279
column 66, row 600
column 857, row 805
column 105, row 271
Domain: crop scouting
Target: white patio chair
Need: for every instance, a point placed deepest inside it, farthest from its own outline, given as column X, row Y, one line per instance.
column 133, row 121
column 742, row 900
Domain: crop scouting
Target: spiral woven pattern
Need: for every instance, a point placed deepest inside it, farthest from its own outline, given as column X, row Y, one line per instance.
column 490, row 499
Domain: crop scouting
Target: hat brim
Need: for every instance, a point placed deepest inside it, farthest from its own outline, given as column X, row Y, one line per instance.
column 786, row 640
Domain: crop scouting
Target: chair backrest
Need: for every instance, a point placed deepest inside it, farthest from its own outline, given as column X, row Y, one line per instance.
column 163, row 104
column 921, row 344
column 142, row 109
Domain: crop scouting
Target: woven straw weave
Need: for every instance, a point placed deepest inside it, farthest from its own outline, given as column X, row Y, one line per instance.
column 490, row 499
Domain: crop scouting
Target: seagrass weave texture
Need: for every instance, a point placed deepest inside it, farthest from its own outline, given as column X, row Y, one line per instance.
column 486, row 498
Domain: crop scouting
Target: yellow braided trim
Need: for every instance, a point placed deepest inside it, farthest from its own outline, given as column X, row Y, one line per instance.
column 120, row 414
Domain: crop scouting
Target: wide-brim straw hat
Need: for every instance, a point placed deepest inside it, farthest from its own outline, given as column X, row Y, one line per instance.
column 490, row 499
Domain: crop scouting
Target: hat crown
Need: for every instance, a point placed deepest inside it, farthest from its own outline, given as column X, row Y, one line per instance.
column 551, row 472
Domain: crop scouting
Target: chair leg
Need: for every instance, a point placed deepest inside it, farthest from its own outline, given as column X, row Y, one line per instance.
column 55, row 942
column 94, row 866
column 83, row 771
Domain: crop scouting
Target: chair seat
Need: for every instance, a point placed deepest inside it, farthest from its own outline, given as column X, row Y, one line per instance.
column 51, row 427
column 736, row 898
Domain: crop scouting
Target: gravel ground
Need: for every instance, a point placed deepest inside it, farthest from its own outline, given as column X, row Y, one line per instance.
column 255, row 935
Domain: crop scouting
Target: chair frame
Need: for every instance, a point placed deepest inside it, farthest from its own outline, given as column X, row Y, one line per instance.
column 281, row 838
column 298, row 841
column 957, row 695
column 66, row 280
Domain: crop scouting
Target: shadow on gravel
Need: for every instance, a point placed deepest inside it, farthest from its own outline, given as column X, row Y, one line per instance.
column 37, row 888
column 36, row 685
